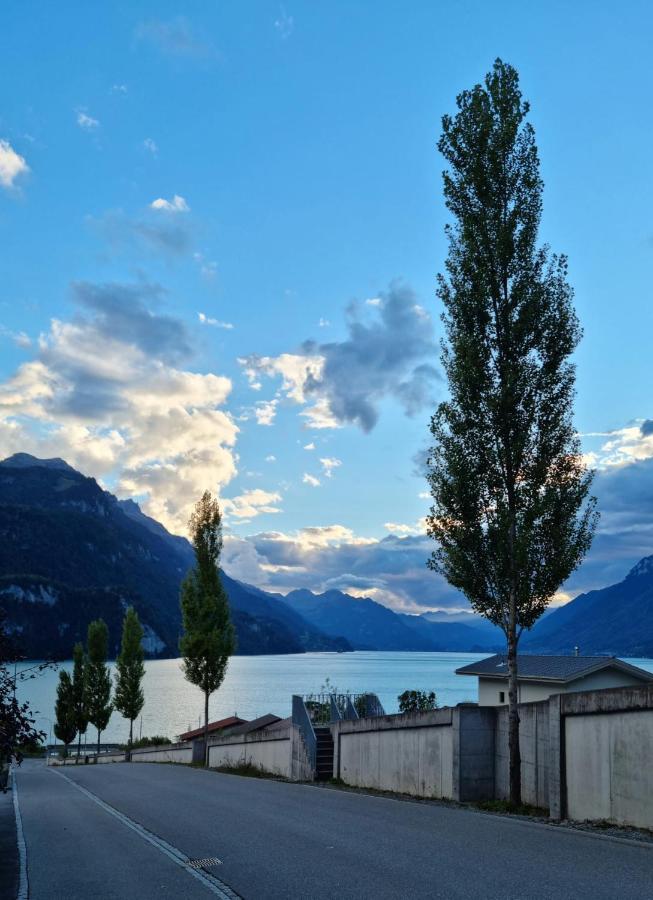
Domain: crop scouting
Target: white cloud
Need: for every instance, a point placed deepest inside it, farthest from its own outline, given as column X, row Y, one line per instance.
column 329, row 463
column 323, row 323
column 20, row 338
column 252, row 503
column 270, row 458
column 284, row 24
column 12, row 165
column 106, row 393
column 310, row 479
column 310, row 446
column 265, row 411
column 151, row 145
column 388, row 353
column 623, row 446
column 86, row 122
column 295, row 370
column 208, row 267
column 119, row 89
column 374, row 301
column 401, row 530
column 215, row 323
column 176, row 205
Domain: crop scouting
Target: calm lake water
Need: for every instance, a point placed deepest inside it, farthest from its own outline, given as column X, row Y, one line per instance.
column 256, row 685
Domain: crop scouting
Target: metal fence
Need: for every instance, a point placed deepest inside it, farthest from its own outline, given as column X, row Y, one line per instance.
column 323, row 709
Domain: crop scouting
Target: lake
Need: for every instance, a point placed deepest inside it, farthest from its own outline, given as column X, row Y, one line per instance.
column 255, row 685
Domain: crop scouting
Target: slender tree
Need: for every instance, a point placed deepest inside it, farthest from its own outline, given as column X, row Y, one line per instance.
column 79, row 694
column 64, row 727
column 207, row 641
column 129, row 698
column 98, row 678
column 511, row 514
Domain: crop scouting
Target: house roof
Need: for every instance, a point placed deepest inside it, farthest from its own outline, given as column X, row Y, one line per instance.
column 558, row 669
column 229, row 722
column 256, row 724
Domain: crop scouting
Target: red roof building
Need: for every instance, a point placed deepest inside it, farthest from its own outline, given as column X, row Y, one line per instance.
column 214, row 727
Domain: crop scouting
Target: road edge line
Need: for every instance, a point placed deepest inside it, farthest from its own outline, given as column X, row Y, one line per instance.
column 215, row 885
column 23, row 883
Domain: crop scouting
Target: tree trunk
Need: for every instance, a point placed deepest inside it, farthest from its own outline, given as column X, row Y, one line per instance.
column 79, row 745
column 206, row 728
column 513, row 717
column 98, row 742
column 129, row 748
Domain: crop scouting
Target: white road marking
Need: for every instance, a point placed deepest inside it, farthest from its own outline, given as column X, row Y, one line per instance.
column 217, row 887
column 23, row 887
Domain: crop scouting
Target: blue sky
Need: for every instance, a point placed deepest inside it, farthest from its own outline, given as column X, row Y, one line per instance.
column 273, row 168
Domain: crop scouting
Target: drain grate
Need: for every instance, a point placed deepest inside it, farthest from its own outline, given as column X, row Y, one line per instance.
column 205, row 863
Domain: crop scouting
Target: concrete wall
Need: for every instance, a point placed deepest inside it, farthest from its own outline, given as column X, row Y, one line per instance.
column 410, row 754
column 269, row 751
column 534, row 748
column 608, row 756
column 111, row 757
column 175, row 753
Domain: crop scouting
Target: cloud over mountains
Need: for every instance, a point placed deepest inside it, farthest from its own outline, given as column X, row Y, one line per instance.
column 106, row 391
column 389, row 354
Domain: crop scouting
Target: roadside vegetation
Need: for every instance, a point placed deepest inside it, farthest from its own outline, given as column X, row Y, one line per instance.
column 511, row 515
column 208, row 637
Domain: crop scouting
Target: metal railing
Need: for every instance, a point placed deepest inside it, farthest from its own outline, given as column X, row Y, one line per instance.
column 323, row 709
column 302, row 719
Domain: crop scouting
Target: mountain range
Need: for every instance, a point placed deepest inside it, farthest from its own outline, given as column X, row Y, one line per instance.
column 71, row 552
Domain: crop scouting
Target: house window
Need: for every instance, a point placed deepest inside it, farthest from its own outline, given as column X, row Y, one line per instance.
column 502, row 696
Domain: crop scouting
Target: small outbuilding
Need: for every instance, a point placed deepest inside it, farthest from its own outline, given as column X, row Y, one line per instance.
column 222, row 727
column 541, row 676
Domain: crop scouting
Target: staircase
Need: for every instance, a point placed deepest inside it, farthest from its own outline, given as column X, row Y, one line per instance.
column 324, row 754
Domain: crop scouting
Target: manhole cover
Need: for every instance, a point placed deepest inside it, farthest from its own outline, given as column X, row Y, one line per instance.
column 205, row 863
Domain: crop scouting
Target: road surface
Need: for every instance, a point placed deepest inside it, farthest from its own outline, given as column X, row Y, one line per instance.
column 128, row 830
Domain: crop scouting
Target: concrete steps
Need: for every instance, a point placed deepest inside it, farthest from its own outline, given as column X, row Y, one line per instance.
column 324, row 754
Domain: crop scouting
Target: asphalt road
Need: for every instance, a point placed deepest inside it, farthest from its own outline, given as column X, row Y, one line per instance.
column 131, row 829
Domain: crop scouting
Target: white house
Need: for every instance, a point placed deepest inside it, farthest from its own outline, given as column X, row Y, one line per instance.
column 541, row 676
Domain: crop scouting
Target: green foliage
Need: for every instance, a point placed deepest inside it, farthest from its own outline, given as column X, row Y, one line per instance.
column 207, row 641
column 65, row 727
column 511, row 513
column 79, row 689
column 154, row 741
column 98, row 677
column 128, row 698
column 416, row 701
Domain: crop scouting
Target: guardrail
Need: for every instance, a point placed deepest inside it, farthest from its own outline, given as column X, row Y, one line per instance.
column 302, row 720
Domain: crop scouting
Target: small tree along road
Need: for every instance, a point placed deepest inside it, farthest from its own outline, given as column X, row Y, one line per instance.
column 128, row 698
column 98, row 677
column 65, row 726
column 208, row 638
column 511, row 514
column 79, row 694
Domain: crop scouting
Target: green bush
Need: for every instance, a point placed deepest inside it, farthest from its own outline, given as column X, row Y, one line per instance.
column 149, row 742
column 416, row 701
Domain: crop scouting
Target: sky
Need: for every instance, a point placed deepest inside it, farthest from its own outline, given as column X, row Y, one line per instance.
column 221, row 225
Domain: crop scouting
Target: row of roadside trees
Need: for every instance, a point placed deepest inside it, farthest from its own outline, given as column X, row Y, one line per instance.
column 88, row 695
column 206, row 643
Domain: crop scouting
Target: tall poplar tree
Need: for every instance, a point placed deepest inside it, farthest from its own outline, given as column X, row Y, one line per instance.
column 98, row 678
column 128, row 697
column 208, row 638
column 65, row 727
column 511, row 514
column 79, row 694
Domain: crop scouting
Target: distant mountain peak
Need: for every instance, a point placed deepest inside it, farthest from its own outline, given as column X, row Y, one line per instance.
column 27, row 461
column 643, row 567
